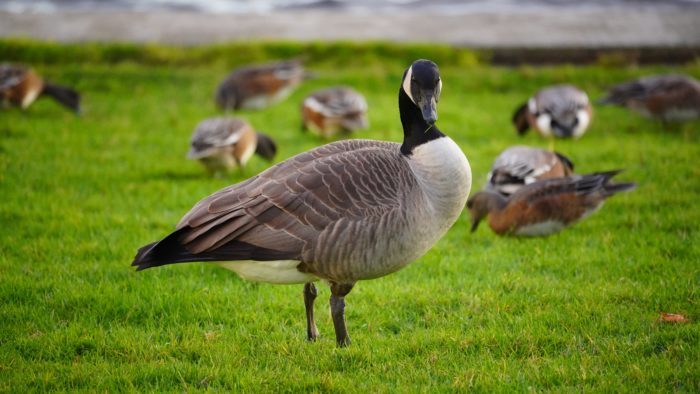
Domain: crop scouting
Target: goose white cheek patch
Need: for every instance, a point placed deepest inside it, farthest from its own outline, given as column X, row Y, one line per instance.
column 407, row 83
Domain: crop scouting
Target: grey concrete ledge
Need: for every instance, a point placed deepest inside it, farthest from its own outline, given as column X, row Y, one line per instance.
column 547, row 28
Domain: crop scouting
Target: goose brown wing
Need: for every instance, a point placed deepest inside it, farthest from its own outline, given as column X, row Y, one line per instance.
column 285, row 208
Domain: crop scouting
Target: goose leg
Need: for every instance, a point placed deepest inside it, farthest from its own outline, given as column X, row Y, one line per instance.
column 309, row 298
column 338, row 293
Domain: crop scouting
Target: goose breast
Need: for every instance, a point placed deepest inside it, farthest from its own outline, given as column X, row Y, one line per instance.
column 346, row 211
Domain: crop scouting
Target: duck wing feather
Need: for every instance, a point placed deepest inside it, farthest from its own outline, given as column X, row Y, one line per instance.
column 576, row 185
column 11, row 75
column 522, row 165
column 215, row 133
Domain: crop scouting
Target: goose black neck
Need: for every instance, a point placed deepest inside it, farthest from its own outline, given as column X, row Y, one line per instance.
column 414, row 127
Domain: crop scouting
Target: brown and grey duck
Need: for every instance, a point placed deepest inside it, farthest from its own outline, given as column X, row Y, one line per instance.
column 561, row 111
column 224, row 143
column 666, row 97
column 521, row 165
column 20, row 86
column 259, row 86
column 544, row 207
column 328, row 111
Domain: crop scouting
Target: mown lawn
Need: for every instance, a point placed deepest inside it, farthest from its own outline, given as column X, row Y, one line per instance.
column 577, row 311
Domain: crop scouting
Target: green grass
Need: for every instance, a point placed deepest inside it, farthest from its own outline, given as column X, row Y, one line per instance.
column 573, row 312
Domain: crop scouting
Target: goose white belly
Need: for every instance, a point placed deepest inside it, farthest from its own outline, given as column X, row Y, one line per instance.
column 444, row 174
column 278, row 271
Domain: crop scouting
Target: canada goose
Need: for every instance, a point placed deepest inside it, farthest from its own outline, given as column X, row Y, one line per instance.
column 343, row 212
column 258, row 86
column 666, row 97
column 544, row 207
column 328, row 111
column 223, row 143
column 522, row 165
column 557, row 111
column 20, row 86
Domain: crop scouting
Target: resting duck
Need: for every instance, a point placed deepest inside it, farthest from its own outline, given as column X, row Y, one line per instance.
column 328, row 111
column 561, row 111
column 665, row 97
column 21, row 86
column 258, row 86
column 343, row 212
column 522, row 165
column 544, row 207
column 224, row 143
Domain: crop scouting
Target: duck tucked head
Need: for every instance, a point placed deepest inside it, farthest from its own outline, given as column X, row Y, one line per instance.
column 265, row 146
column 482, row 203
column 562, row 111
column 420, row 91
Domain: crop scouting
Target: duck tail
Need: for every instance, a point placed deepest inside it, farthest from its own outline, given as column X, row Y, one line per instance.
column 64, row 95
column 565, row 160
column 520, row 119
column 610, row 188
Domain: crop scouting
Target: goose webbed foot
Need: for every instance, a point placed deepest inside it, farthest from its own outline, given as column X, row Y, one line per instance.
column 338, row 293
column 310, row 294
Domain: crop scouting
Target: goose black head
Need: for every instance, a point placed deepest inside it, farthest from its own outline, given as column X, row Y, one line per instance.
column 422, row 84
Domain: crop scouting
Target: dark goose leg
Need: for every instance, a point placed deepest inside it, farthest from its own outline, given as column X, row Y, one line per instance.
column 309, row 298
column 338, row 292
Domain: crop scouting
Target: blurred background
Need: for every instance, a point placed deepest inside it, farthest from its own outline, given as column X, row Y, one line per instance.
column 499, row 24
column 610, row 305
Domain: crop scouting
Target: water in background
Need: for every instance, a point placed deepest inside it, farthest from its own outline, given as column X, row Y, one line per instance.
column 265, row 6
